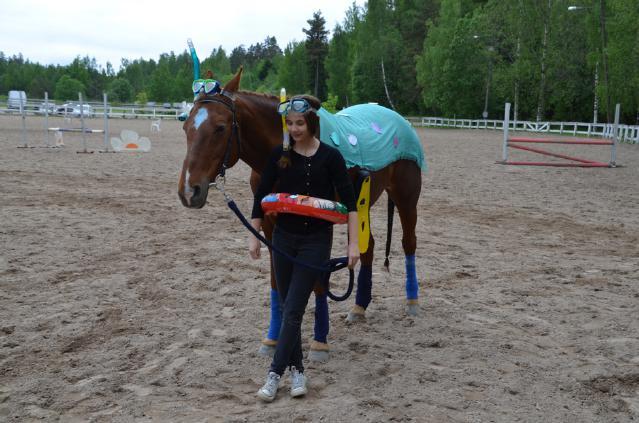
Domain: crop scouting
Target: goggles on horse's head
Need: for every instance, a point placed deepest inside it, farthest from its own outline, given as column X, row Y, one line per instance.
column 298, row 105
column 210, row 86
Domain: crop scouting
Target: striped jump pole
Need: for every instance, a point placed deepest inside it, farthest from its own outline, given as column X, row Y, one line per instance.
column 515, row 143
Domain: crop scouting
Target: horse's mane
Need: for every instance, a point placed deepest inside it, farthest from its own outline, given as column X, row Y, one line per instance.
column 259, row 97
column 260, row 100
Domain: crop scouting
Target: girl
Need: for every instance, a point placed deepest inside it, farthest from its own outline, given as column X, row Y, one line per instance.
column 311, row 168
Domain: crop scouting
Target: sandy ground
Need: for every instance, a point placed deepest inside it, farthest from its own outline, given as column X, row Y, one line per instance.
column 118, row 304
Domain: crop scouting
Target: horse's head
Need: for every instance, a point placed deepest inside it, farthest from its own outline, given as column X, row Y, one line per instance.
column 212, row 141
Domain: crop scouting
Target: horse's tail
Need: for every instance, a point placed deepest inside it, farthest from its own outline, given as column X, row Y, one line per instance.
column 389, row 229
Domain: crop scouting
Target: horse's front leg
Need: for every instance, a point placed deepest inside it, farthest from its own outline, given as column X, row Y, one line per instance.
column 267, row 348
column 319, row 345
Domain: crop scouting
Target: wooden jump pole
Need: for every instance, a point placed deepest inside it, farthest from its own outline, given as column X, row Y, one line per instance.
column 24, row 124
column 84, row 135
column 615, row 136
column 106, row 127
column 504, row 151
column 46, row 119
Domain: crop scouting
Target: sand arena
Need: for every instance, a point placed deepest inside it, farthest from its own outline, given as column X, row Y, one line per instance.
column 119, row 304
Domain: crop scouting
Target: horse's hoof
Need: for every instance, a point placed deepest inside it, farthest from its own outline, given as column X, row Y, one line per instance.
column 318, row 356
column 319, row 352
column 267, row 349
column 357, row 314
column 412, row 308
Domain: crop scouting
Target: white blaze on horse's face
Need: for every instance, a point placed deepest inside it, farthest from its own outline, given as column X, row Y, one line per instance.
column 200, row 117
column 188, row 191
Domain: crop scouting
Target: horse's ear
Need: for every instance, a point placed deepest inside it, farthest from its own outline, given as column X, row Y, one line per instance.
column 234, row 84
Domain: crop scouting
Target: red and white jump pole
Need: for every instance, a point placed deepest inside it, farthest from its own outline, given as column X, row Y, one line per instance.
column 514, row 142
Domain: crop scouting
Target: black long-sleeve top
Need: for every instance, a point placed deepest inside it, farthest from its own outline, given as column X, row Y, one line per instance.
column 320, row 175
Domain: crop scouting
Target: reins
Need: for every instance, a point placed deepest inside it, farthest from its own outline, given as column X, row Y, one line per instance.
column 331, row 266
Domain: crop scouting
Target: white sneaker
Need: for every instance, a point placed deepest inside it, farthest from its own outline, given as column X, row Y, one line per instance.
column 269, row 390
column 298, row 383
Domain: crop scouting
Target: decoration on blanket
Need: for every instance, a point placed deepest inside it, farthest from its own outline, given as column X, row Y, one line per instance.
column 376, row 128
column 335, row 138
column 395, row 142
column 304, row 205
column 352, row 139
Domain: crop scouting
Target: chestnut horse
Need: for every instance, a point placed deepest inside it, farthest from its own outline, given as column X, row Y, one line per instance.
column 237, row 125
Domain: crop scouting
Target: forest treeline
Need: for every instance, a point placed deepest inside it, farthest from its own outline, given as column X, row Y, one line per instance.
column 553, row 59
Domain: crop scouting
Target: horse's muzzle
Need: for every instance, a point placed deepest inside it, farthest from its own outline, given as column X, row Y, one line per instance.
column 194, row 197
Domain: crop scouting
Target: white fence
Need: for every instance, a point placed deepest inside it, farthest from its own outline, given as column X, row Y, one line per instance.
column 626, row 133
column 135, row 111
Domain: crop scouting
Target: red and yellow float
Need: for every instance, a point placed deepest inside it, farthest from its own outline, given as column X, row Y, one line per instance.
column 304, row 205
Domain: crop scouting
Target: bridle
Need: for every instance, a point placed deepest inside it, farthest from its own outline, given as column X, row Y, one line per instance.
column 220, row 98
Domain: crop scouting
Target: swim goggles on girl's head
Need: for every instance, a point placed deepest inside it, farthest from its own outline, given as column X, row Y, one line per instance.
column 210, row 86
column 298, row 105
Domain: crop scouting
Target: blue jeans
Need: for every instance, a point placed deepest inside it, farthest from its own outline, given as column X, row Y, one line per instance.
column 294, row 285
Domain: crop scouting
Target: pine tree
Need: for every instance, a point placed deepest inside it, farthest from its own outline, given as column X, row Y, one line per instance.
column 317, row 50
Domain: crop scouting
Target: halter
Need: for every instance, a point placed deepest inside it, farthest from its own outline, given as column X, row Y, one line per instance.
column 217, row 98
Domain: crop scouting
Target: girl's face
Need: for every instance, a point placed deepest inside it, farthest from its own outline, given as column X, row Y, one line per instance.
column 297, row 126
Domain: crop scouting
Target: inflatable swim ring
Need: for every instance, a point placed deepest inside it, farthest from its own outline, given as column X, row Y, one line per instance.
column 305, row 206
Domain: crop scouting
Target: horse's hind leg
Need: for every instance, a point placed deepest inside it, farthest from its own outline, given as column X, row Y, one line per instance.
column 363, row 295
column 405, row 190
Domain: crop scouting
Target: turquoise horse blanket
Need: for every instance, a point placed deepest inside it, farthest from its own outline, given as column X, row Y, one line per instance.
column 371, row 136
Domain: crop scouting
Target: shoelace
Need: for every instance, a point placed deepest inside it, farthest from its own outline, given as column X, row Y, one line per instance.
column 272, row 381
column 297, row 379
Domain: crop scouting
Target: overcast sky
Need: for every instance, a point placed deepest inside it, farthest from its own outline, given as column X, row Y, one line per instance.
column 56, row 31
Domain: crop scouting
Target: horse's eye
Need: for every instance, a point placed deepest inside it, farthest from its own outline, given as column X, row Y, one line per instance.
column 219, row 129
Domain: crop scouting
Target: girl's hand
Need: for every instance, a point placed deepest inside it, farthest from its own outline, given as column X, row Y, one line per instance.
column 254, row 243
column 254, row 247
column 353, row 255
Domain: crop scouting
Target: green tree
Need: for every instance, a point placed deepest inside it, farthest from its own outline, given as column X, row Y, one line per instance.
column 67, row 88
column 294, row 70
column 452, row 69
column 120, row 90
column 316, row 50
column 339, row 64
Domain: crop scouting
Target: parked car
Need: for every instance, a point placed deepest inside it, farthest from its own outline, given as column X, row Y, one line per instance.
column 71, row 109
column 47, row 107
column 15, row 98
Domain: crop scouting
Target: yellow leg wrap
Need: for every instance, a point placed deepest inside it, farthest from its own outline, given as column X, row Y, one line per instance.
column 363, row 215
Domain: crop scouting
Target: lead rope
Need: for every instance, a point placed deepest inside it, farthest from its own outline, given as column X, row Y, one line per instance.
column 332, row 265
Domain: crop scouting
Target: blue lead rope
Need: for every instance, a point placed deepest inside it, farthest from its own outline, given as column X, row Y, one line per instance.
column 332, row 265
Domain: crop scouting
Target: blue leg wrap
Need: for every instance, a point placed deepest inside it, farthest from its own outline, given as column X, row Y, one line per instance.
column 364, row 286
column 321, row 318
column 412, row 287
column 276, row 316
